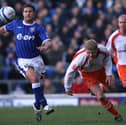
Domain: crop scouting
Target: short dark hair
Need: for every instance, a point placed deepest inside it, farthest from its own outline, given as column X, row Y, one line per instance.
column 29, row 5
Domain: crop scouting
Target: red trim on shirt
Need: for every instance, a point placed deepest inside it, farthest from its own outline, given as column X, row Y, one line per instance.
column 113, row 46
column 78, row 53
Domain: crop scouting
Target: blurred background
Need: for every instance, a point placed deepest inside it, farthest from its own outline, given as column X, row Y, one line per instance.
column 69, row 23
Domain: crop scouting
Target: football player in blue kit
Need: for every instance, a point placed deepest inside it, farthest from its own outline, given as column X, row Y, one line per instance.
column 30, row 39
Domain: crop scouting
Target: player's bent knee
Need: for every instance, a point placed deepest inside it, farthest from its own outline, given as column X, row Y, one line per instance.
column 99, row 95
column 34, row 79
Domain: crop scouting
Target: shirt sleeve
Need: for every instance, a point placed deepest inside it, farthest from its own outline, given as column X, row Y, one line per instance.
column 10, row 26
column 107, row 61
column 109, row 46
column 43, row 34
column 71, row 70
column 108, row 65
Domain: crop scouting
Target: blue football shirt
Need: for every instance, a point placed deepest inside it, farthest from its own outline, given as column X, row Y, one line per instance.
column 27, row 37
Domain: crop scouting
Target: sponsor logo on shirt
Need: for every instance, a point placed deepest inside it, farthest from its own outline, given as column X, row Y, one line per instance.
column 25, row 37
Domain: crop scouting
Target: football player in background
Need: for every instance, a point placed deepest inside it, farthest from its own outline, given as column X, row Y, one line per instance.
column 117, row 47
column 95, row 66
column 30, row 39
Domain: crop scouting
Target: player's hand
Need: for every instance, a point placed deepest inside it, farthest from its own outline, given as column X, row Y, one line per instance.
column 42, row 48
column 45, row 46
column 69, row 92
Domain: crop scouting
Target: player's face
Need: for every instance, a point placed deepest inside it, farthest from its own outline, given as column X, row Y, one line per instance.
column 28, row 14
column 122, row 23
column 92, row 53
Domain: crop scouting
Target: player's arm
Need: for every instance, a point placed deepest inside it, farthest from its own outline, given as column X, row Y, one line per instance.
column 3, row 31
column 108, row 69
column 109, row 46
column 107, row 60
column 70, row 73
column 46, row 41
column 45, row 46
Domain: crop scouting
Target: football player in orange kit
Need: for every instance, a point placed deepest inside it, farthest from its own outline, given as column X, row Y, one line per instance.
column 117, row 47
column 95, row 66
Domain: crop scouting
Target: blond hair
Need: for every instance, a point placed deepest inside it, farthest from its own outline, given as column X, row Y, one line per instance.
column 91, row 44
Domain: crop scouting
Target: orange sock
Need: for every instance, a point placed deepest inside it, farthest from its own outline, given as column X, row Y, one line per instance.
column 109, row 107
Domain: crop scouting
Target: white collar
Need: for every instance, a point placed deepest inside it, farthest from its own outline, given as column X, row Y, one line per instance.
column 28, row 24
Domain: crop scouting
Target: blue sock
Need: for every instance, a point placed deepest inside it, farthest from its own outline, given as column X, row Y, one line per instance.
column 39, row 96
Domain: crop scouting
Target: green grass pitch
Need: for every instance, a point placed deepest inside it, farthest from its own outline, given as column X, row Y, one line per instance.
column 81, row 115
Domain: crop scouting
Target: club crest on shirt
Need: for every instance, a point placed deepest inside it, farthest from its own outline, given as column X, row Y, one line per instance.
column 32, row 29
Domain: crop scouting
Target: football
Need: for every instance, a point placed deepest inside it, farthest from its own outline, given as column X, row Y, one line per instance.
column 7, row 14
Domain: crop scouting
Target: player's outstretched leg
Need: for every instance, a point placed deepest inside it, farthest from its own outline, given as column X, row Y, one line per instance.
column 106, row 103
column 110, row 107
column 38, row 115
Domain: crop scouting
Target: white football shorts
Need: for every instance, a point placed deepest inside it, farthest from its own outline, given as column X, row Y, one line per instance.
column 37, row 63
